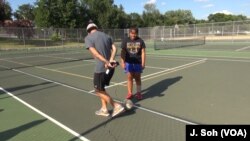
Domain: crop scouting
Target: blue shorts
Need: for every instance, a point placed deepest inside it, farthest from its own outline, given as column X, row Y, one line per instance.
column 136, row 68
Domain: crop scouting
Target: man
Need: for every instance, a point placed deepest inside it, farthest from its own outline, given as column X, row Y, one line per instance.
column 103, row 50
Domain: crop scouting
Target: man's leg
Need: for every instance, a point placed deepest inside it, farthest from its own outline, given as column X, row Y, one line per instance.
column 100, row 91
column 105, row 98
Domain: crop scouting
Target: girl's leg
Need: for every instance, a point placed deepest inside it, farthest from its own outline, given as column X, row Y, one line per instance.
column 129, row 85
column 137, row 77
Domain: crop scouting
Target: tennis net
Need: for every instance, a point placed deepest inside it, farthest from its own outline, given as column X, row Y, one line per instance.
column 169, row 43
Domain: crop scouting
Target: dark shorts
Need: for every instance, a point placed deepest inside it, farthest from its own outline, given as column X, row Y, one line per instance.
column 136, row 68
column 102, row 79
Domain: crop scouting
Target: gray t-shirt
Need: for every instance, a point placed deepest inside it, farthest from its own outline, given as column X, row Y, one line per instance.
column 103, row 44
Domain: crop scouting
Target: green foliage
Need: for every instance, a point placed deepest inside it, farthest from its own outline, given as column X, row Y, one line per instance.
column 221, row 17
column 59, row 13
column 151, row 16
column 77, row 13
column 55, row 37
column 106, row 14
column 135, row 20
column 5, row 11
column 178, row 17
column 25, row 12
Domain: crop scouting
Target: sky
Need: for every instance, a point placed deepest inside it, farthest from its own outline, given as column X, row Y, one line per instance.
column 199, row 8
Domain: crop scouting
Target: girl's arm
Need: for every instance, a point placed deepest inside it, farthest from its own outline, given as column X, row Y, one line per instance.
column 123, row 54
column 143, row 57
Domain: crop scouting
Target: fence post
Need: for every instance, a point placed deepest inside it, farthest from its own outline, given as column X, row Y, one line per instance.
column 45, row 44
column 233, row 28
column 222, row 30
column 170, row 33
column 23, row 38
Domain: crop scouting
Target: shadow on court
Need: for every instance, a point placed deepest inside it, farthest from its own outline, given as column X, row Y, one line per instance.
column 9, row 76
column 15, row 89
column 104, row 124
column 158, row 88
column 8, row 134
column 53, row 62
column 26, row 87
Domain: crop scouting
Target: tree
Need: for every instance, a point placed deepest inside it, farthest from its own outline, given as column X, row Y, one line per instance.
column 218, row 17
column 240, row 18
column 25, row 12
column 151, row 15
column 135, row 20
column 200, row 21
column 118, row 18
column 42, row 13
column 5, row 11
column 221, row 17
column 106, row 14
column 178, row 17
column 83, row 14
column 59, row 13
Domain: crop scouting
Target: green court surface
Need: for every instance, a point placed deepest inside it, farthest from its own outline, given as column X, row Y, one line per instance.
column 50, row 96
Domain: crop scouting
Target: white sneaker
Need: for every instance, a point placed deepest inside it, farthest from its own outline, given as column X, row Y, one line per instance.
column 102, row 112
column 117, row 110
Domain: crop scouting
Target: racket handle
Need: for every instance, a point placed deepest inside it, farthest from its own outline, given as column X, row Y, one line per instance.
column 107, row 71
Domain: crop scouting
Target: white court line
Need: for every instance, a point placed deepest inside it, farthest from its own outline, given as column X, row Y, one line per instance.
column 32, row 56
column 40, row 61
column 46, row 116
column 56, row 57
column 75, row 66
column 153, row 74
column 94, row 61
column 94, row 64
column 20, row 57
column 156, row 68
column 65, row 58
column 153, row 55
column 77, row 89
column 172, row 70
column 55, row 70
column 166, row 115
column 229, row 60
column 244, row 48
column 210, row 58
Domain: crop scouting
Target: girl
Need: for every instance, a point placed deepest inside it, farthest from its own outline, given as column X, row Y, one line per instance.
column 133, row 61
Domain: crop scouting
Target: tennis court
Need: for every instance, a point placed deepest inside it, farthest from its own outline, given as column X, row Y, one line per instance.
column 49, row 95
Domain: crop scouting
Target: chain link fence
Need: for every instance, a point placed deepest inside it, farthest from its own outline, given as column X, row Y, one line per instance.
column 13, row 37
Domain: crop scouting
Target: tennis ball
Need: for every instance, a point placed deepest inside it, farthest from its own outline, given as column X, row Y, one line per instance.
column 128, row 104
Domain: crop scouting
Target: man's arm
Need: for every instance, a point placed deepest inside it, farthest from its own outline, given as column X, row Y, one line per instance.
column 98, row 56
column 113, row 53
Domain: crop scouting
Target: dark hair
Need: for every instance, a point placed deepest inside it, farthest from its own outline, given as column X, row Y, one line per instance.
column 133, row 28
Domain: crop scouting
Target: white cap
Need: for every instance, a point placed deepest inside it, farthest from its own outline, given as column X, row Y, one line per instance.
column 91, row 25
